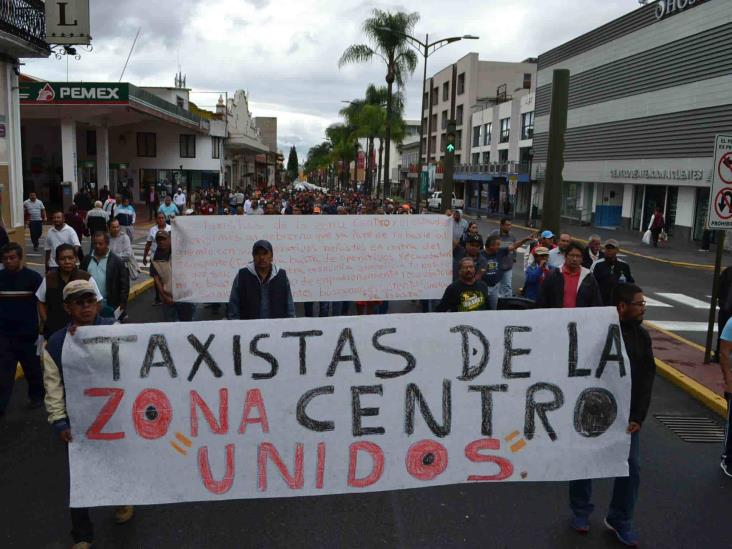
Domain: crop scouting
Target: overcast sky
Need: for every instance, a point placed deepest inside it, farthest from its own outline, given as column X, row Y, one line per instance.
column 285, row 53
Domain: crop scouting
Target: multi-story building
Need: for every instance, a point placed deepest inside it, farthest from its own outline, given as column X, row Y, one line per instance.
column 648, row 92
column 496, row 177
column 409, row 161
column 22, row 34
column 455, row 91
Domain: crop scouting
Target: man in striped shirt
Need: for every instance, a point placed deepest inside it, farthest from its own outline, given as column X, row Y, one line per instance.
column 35, row 213
column 18, row 326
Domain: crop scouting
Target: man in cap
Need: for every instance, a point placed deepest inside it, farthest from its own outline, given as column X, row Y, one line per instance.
column 467, row 293
column 545, row 240
column 82, row 306
column 536, row 273
column 611, row 272
column 179, row 199
column 261, row 289
column 473, row 243
column 162, row 274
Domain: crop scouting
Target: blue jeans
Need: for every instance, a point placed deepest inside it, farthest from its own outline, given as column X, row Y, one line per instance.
column 323, row 308
column 493, row 295
column 506, row 284
column 625, row 491
column 727, row 453
column 340, row 308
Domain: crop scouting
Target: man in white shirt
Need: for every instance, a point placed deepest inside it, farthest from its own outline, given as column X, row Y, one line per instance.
column 247, row 203
column 179, row 199
column 36, row 214
column 59, row 234
column 556, row 256
column 151, row 244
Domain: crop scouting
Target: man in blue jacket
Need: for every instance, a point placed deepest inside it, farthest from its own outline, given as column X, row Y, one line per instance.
column 261, row 289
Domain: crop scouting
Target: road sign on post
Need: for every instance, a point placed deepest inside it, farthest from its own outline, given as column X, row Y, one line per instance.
column 720, row 205
column 449, row 166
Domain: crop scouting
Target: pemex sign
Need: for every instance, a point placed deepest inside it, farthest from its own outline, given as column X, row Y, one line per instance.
column 73, row 93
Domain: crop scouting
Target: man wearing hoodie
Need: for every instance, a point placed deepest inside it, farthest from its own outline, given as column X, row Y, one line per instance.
column 631, row 306
column 570, row 285
column 261, row 289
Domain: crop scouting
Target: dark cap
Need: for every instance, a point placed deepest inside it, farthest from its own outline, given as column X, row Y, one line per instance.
column 611, row 243
column 474, row 238
column 262, row 244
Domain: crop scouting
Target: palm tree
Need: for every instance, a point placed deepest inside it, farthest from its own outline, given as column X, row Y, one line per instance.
column 386, row 31
column 318, row 160
column 341, row 137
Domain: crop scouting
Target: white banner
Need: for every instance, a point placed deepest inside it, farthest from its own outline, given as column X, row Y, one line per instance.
column 327, row 258
column 196, row 411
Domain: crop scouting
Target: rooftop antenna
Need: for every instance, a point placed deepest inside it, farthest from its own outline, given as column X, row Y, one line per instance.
column 130, row 54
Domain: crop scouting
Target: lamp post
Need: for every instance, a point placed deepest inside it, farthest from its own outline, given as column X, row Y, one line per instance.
column 425, row 49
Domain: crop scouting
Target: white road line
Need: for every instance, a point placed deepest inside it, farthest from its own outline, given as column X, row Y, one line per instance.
column 673, row 326
column 650, row 302
column 685, row 300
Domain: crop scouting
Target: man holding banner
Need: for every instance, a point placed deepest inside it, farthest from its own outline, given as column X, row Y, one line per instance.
column 631, row 306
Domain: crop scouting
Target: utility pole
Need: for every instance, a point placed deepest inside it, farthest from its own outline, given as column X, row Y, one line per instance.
column 418, row 195
column 552, row 207
column 448, row 163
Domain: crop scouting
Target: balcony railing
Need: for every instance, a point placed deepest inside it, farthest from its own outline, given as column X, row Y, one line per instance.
column 25, row 19
column 494, row 168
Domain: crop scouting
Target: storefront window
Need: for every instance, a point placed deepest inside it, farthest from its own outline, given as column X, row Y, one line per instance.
column 700, row 216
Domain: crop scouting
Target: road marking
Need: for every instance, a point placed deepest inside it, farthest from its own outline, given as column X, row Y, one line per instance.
column 685, row 300
column 650, row 302
column 674, row 326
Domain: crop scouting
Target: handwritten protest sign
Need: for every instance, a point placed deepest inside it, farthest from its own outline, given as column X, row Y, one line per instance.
column 327, row 258
column 252, row 409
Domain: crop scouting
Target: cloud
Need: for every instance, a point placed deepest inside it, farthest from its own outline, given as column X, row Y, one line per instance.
column 285, row 52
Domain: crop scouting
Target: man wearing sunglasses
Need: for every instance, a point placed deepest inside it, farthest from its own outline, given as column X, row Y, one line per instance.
column 631, row 306
column 82, row 305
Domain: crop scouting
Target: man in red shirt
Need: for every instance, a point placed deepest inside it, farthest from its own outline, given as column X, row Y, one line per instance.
column 207, row 208
column 572, row 285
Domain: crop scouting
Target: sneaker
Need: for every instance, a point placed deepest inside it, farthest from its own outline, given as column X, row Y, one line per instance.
column 726, row 468
column 626, row 535
column 157, row 302
column 580, row 524
column 81, row 545
column 123, row 514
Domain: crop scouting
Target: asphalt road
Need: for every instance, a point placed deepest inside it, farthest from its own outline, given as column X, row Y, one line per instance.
column 684, row 502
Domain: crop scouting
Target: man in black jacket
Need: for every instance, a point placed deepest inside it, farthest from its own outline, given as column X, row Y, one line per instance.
column 610, row 272
column 631, row 306
column 261, row 289
column 571, row 285
column 110, row 273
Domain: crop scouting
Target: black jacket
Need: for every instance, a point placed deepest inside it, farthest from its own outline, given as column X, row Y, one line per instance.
column 608, row 277
column 551, row 294
column 117, row 281
column 587, row 260
column 642, row 368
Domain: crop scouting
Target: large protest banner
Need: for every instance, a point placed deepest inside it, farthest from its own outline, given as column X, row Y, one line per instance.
column 327, row 258
column 252, row 409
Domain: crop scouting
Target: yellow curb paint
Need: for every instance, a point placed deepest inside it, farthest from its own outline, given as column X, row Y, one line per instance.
column 688, row 265
column 675, row 336
column 698, row 391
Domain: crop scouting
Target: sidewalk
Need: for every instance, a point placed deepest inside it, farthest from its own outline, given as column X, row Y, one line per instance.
column 676, row 251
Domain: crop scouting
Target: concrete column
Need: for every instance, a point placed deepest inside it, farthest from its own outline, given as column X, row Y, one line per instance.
column 69, row 159
column 11, row 171
column 102, row 156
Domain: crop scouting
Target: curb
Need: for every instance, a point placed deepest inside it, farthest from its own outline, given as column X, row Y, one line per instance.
column 688, row 265
column 136, row 291
column 708, row 398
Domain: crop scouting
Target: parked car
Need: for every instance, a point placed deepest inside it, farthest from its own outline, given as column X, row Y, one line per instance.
column 435, row 201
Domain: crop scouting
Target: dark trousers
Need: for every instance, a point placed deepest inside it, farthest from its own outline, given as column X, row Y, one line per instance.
column 19, row 349
column 340, row 308
column 655, row 233
column 36, row 230
column 727, row 454
column 82, row 528
column 625, row 491
column 153, row 210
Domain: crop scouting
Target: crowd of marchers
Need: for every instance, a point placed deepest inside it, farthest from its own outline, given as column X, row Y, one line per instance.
column 37, row 312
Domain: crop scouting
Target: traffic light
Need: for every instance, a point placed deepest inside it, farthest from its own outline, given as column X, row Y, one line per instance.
column 450, row 137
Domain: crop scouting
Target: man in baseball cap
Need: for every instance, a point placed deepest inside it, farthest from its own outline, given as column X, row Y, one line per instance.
column 261, row 289
column 610, row 271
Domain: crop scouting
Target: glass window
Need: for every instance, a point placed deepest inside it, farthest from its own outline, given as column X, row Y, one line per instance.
column 446, row 91
column 487, row 133
column 459, row 115
column 434, row 122
column 527, row 80
column 527, row 125
column 486, row 157
column 461, row 83
column 146, row 144
column 476, row 158
column 459, row 139
column 435, row 96
column 187, row 146
column 215, row 147
column 444, row 119
column 505, row 129
column 91, row 142
column 503, row 156
column 476, row 137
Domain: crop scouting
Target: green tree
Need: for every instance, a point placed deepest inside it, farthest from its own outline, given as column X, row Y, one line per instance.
column 386, row 32
column 319, row 159
column 343, row 140
column 292, row 164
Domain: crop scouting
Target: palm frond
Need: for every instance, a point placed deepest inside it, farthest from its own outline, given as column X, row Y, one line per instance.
column 356, row 53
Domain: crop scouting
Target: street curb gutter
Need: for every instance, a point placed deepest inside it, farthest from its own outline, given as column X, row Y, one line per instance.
column 136, row 291
column 698, row 266
column 695, row 389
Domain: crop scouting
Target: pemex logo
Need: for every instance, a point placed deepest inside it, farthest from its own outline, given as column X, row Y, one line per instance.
column 46, row 94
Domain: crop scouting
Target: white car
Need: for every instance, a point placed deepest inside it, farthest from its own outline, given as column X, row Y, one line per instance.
column 435, row 201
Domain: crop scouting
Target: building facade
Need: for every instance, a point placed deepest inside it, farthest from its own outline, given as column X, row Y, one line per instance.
column 248, row 160
column 455, row 92
column 648, row 92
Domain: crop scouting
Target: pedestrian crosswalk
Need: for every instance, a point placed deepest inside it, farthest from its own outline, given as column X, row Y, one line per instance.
column 139, row 250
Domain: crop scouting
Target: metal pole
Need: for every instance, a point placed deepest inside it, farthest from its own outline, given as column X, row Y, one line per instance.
column 448, row 163
column 551, row 209
column 715, row 295
column 421, row 128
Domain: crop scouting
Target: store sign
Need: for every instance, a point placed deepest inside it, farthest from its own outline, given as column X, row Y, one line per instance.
column 665, row 8
column 73, row 93
column 681, row 175
column 67, row 22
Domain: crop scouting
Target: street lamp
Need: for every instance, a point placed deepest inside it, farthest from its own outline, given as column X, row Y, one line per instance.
column 426, row 49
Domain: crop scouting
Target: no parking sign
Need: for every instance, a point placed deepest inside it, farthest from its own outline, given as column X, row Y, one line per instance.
column 720, row 207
